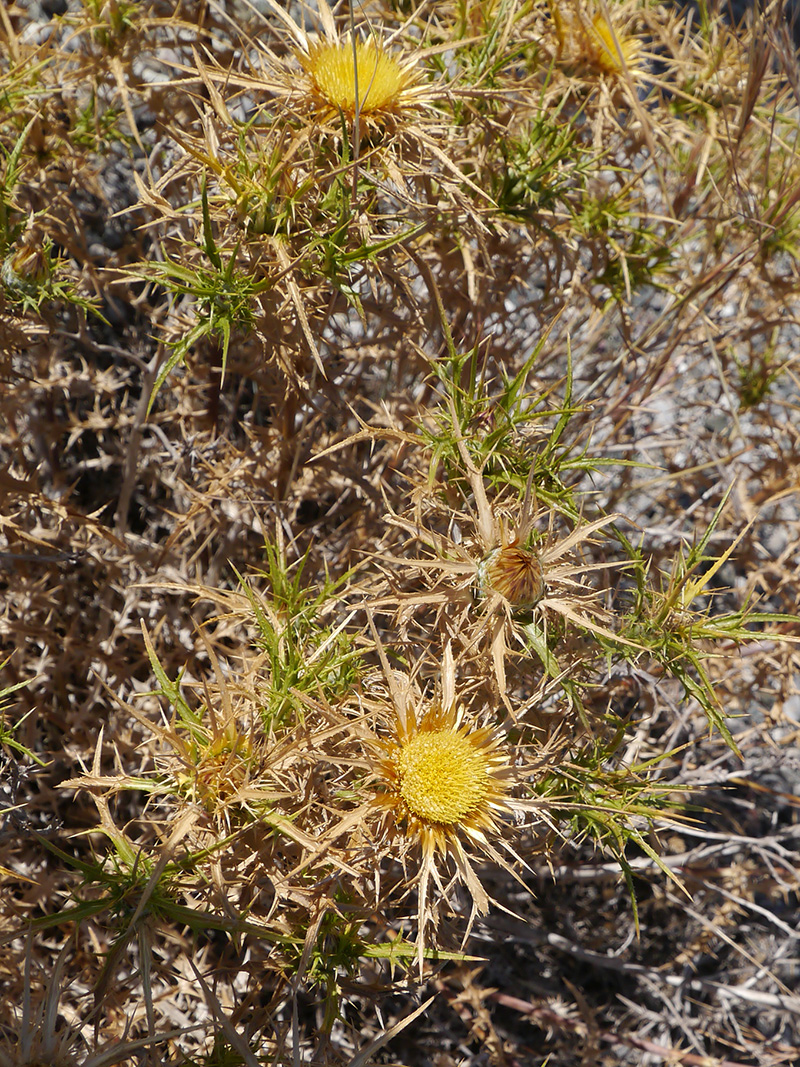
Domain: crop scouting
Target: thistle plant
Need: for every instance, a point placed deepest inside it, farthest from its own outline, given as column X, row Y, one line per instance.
column 445, row 784
column 494, row 587
column 405, row 565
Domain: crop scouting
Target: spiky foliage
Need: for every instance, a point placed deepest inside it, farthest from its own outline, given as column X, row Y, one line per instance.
column 398, row 460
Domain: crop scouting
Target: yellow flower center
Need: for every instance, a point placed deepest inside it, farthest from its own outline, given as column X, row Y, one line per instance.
column 607, row 38
column 442, row 776
column 381, row 79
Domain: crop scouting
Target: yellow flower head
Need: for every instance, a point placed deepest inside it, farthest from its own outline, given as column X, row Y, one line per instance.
column 444, row 778
column 608, row 49
column 592, row 42
column 344, row 72
column 445, row 783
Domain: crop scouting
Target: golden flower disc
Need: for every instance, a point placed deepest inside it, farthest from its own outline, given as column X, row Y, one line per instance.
column 609, row 42
column 381, row 78
column 442, row 776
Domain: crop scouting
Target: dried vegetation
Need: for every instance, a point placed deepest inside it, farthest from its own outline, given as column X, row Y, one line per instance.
column 399, row 564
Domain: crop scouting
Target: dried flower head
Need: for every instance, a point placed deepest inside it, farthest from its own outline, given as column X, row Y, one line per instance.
column 515, row 573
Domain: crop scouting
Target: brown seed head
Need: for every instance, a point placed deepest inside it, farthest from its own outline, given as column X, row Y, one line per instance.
column 516, row 574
